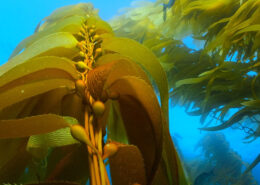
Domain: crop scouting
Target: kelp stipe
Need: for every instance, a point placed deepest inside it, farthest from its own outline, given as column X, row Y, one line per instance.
column 67, row 86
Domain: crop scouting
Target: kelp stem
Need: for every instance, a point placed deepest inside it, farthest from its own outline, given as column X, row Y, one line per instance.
column 91, row 165
column 95, row 159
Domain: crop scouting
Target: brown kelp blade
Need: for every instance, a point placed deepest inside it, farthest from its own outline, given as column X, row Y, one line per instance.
column 142, row 118
column 143, row 56
column 14, row 167
column 31, row 125
column 71, row 166
column 109, row 70
column 127, row 166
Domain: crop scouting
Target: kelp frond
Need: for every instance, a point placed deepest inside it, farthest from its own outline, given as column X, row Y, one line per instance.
column 71, row 84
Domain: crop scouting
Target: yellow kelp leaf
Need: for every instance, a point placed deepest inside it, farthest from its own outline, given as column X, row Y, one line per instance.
column 142, row 118
column 71, row 24
column 252, row 103
column 56, row 44
column 81, row 9
column 26, row 70
column 146, row 59
column 33, row 125
column 191, row 81
column 56, row 138
column 254, row 28
column 127, row 166
column 25, row 91
column 101, row 26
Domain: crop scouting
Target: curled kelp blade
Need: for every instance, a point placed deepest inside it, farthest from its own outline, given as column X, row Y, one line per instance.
column 31, row 125
column 143, row 56
column 133, row 94
column 109, row 69
column 127, row 166
column 142, row 118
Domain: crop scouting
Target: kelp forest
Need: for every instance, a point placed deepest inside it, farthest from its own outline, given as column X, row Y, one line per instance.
column 85, row 101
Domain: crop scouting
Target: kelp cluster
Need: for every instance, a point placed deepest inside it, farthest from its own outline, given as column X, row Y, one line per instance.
column 219, row 81
column 219, row 164
column 73, row 95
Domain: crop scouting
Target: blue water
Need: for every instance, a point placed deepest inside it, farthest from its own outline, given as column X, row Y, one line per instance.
column 18, row 19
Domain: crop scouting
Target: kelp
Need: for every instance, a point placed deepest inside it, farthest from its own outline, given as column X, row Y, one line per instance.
column 70, row 85
column 218, row 164
column 204, row 81
column 220, row 82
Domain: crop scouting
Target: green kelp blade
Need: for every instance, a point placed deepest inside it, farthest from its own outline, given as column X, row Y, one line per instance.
column 115, row 125
column 33, row 125
column 252, row 103
column 23, row 92
column 27, row 71
column 234, row 119
column 56, row 138
column 143, row 56
column 56, row 44
column 253, row 28
column 189, row 81
column 142, row 118
column 71, row 24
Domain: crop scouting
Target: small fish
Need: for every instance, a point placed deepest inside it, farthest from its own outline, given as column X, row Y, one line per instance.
column 203, row 178
column 165, row 6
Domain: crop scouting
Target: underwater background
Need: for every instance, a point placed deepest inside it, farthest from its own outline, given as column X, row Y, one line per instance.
column 18, row 20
